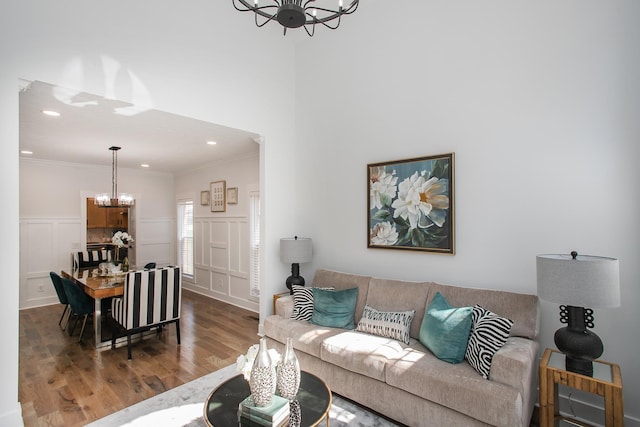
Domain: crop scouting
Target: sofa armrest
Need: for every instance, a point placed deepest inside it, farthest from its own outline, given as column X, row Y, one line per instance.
column 516, row 365
column 284, row 306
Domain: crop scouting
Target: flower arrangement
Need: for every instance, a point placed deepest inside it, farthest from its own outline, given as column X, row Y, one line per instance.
column 121, row 239
column 244, row 363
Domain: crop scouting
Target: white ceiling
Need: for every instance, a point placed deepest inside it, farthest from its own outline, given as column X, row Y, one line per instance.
column 89, row 124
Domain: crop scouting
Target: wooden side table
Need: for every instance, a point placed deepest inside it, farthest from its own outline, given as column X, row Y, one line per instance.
column 606, row 382
column 275, row 298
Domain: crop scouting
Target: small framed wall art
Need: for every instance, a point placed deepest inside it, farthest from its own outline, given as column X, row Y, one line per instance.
column 411, row 204
column 205, row 198
column 232, row 195
column 218, row 196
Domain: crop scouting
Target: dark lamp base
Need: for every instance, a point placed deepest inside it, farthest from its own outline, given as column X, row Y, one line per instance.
column 580, row 346
column 295, row 278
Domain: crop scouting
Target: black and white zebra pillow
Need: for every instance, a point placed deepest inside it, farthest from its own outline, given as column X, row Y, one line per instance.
column 489, row 332
column 388, row 324
column 303, row 302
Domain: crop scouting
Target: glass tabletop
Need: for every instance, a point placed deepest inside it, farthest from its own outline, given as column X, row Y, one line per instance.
column 221, row 407
column 601, row 371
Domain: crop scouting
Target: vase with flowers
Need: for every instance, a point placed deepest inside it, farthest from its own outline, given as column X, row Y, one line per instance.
column 121, row 239
column 259, row 368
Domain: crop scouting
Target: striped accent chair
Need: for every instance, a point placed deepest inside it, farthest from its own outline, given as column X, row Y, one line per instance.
column 90, row 258
column 151, row 299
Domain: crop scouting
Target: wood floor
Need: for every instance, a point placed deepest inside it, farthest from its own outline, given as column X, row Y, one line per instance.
column 66, row 383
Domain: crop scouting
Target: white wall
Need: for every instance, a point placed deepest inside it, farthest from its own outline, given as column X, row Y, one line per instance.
column 221, row 253
column 540, row 103
column 205, row 61
column 53, row 219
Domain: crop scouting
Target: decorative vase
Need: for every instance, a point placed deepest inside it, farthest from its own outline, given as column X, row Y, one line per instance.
column 262, row 381
column 288, row 373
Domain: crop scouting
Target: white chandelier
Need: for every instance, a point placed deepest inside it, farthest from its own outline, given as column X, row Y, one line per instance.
column 113, row 200
column 297, row 13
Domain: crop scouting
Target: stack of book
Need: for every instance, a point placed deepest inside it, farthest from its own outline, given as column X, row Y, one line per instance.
column 274, row 415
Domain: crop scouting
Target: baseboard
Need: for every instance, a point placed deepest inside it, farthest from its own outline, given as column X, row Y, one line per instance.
column 12, row 418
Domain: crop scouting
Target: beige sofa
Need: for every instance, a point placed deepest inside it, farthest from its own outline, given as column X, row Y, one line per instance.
column 407, row 382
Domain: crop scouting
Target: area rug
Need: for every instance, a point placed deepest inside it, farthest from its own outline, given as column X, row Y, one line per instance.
column 183, row 406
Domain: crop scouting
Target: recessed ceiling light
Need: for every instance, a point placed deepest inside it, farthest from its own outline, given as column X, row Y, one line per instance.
column 26, row 152
column 144, row 165
column 51, row 113
column 211, row 143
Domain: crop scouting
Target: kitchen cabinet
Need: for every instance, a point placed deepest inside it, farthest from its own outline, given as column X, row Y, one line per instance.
column 98, row 217
column 117, row 218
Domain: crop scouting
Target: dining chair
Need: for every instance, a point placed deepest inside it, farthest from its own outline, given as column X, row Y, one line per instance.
column 149, row 265
column 151, row 298
column 62, row 297
column 81, row 304
column 84, row 259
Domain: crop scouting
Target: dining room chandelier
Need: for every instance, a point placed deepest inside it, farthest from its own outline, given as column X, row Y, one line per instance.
column 114, row 200
column 298, row 13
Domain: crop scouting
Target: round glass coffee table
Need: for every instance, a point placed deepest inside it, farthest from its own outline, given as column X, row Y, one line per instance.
column 221, row 407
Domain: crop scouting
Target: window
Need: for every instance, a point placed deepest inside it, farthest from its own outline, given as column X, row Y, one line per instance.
column 185, row 237
column 254, row 244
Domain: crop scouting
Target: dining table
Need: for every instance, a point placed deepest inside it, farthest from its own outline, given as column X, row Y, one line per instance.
column 98, row 286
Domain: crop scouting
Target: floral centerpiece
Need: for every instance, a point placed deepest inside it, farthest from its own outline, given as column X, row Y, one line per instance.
column 121, row 239
column 259, row 368
column 244, row 363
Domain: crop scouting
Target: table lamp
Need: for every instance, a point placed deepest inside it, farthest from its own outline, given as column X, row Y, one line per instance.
column 295, row 251
column 578, row 281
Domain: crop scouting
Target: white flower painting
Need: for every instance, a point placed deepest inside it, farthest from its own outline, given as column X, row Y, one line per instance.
column 411, row 204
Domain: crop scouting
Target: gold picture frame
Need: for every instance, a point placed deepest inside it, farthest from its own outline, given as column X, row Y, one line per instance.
column 205, row 198
column 232, row 196
column 218, row 196
column 392, row 186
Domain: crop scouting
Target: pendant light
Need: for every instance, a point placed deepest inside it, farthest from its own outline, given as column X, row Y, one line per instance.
column 114, row 201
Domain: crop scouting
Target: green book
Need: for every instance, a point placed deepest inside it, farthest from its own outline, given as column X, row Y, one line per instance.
column 273, row 413
column 249, row 421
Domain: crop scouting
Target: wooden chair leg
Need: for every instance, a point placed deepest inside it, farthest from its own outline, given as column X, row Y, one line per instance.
column 178, row 330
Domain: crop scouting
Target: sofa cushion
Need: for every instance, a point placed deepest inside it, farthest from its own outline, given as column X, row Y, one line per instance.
column 398, row 295
column 306, row 337
column 361, row 353
column 458, row 387
column 334, row 308
column 302, row 302
column 489, row 332
column 389, row 324
column 328, row 278
column 445, row 329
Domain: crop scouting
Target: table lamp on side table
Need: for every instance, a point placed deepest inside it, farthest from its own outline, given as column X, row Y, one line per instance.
column 295, row 251
column 577, row 281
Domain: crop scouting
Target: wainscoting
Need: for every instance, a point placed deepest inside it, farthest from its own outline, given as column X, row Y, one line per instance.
column 46, row 244
column 221, row 260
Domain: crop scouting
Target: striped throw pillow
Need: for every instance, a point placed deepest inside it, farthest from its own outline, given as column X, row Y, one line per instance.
column 303, row 302
column 388, row 324
column 489, row 332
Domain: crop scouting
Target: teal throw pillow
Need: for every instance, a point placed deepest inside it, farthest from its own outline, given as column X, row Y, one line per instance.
column 445, row 329
column 334, row 308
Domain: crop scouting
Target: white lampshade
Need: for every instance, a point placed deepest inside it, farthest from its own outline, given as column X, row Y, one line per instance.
column 295, row 250
column 586, row 281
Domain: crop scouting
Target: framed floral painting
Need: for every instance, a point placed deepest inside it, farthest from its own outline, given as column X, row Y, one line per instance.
column 411, row 204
